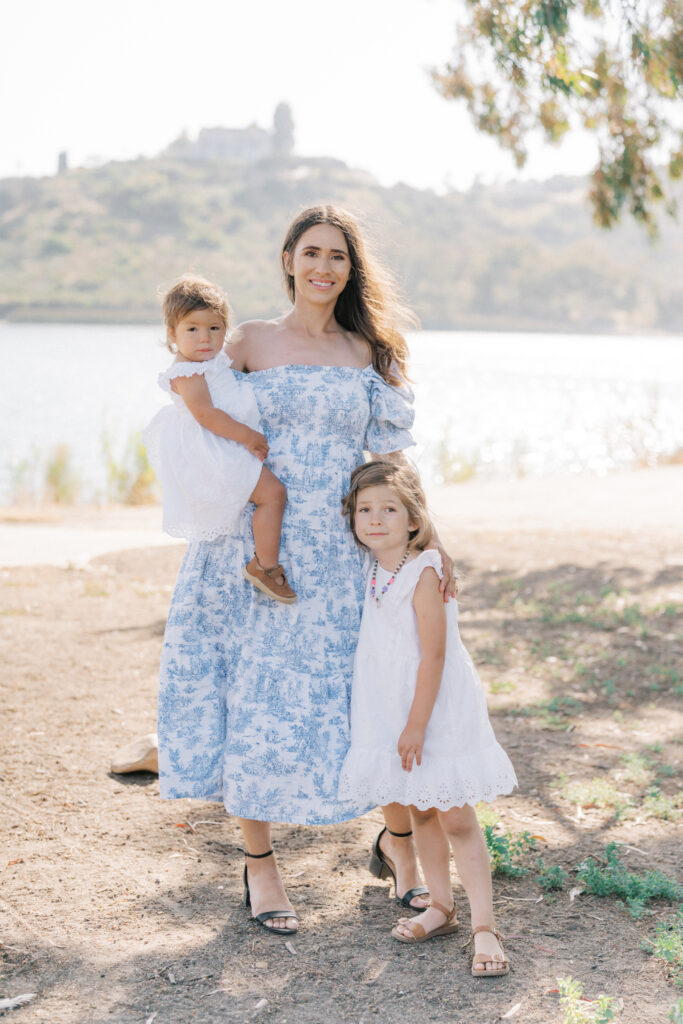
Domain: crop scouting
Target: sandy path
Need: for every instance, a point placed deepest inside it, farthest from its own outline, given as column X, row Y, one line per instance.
column 113, row 909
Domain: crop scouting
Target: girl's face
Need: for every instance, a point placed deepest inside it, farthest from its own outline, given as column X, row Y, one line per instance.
column 382, row 521
column 320, row 264
column 199, row 335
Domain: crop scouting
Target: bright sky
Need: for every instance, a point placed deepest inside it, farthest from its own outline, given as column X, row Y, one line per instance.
column 114, row 79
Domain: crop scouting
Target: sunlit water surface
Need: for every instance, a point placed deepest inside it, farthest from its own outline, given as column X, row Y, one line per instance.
column 486, row 404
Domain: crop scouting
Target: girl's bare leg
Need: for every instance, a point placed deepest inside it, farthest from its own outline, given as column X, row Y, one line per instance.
column 402, row 851
column 265, row 885
column 434, row 853
column 270, row 498
column 472, row 861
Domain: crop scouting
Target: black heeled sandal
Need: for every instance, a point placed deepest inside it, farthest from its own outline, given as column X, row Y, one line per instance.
column 267, row 915
column 382, row 866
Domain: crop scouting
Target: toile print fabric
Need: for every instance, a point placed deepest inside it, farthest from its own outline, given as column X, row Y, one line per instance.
column 206, row 480
column 254, row 696
column 462, row 762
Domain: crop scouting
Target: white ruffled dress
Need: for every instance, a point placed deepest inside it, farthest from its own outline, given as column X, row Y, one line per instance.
column 206, row 480
column 462, row 762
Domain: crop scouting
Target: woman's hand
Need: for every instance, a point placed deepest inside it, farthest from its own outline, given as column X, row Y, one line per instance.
column 448, row 583
column 410, row 744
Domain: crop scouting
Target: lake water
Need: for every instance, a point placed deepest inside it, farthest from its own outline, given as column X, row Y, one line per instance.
column 489, row 404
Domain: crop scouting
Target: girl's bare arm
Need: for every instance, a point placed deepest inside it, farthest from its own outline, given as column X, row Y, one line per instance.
column 195, row 393
column 431, row 628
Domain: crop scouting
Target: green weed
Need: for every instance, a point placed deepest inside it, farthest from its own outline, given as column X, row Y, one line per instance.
column 130, row 480
column 62, row 483
column 637, row 769
column 634, row 890
column 658, row 805
column 577, row 1010
column 502, row 686
column 506, row 850
column 597, row 793
column 551, row 878
column 667, row 945
column 486, row 815
column 676, row 1012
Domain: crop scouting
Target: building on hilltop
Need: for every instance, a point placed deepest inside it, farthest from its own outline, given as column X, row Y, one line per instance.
column 244, row 144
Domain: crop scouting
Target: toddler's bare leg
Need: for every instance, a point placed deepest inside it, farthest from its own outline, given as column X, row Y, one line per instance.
column 472, row 861
column 270, row 498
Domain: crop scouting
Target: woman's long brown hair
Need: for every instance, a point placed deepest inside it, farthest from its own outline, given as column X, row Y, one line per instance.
column 369, row 305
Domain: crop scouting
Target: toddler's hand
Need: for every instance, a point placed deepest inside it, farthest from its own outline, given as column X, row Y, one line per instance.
column 410, row 744
column 257, row 444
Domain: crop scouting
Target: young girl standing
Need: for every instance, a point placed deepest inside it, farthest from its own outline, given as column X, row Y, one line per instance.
column 420, row 733
column 207, row 448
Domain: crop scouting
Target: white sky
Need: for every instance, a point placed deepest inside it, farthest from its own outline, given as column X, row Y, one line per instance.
column 113, row 80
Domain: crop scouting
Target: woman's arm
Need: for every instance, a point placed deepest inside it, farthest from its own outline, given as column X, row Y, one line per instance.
column 448, row 584
column 431, row 630
column 195, row 393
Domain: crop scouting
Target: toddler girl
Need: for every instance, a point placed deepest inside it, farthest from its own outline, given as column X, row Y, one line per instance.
column 207, row 447
column 420, row 733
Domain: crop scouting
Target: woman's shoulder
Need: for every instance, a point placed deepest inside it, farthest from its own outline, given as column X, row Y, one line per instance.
column 247, row 339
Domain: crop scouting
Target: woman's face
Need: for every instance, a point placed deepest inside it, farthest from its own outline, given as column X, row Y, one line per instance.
column 320, row 264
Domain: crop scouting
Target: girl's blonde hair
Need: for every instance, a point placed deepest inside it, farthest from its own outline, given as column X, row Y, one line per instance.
column 369, row 305
column 405, row 480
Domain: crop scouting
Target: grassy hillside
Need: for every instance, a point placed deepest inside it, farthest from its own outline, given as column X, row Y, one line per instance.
column 95, row 245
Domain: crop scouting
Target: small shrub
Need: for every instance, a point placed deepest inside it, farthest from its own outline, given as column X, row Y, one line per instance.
column 552, row 878
column 505, row 851
column 130, row 480
column 597, row 793
column 62, row 483
column 667, row 945
column 658, row 805
column 676, row 1012
column 577, row 1010
column 637, row 769
column 634, row 891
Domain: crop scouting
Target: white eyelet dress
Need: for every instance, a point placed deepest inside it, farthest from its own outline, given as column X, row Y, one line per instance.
column 206, row 480
column 462, row 762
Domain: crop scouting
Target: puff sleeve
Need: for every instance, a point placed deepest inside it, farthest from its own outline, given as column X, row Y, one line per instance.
column 391, row 415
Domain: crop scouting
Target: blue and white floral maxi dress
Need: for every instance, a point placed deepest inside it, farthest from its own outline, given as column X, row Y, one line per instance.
column 254, row 695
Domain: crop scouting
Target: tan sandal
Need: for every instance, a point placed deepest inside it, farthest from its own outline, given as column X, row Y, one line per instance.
column 487, row 958
column 272, row 582
column 418, row 932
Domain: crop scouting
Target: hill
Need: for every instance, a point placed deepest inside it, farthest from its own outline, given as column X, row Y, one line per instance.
column 96, row 244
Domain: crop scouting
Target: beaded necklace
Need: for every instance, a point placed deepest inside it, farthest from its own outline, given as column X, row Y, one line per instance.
column 373, row 580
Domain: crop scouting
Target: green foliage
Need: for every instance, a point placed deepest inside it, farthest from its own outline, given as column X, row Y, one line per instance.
column 667, row 945
column 634, row 890
column 506, row 850
column 62, row 482
column 676, row 1012
column 598, row 792
column 130, row 480
column 614, row 69
column 550, row 878
column 577, row 1010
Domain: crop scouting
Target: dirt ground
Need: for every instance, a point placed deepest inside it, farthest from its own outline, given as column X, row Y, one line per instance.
column 118, row 907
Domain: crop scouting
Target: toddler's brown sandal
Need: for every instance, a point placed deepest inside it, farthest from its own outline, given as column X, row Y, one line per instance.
column 272, row 582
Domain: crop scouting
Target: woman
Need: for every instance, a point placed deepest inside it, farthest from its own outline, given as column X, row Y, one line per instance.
column 254, row 696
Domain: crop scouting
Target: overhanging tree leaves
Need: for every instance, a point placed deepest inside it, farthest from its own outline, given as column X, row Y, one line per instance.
column 614, row 67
